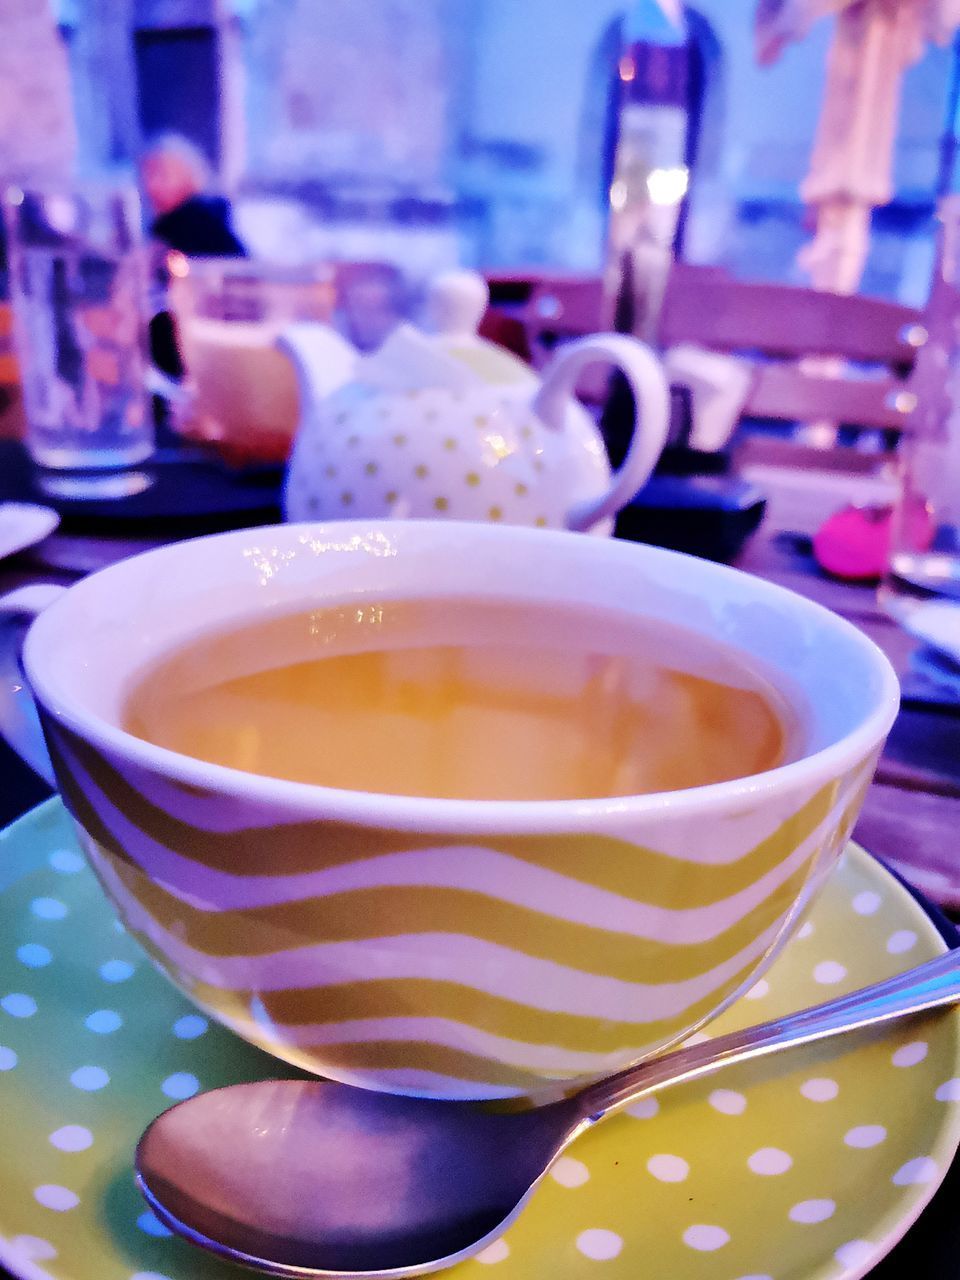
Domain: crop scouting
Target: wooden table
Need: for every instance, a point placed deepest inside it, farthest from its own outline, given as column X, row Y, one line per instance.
column 909, row 819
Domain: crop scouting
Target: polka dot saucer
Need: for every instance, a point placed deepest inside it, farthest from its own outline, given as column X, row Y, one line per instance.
column 806, row 1166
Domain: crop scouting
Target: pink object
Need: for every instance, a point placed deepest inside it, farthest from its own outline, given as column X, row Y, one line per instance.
column 854, row 543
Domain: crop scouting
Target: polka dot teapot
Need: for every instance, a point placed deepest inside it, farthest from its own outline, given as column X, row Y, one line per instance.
column 440, row 423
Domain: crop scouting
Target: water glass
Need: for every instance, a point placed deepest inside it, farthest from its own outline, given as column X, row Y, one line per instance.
column 77, row 286
column 924, row 560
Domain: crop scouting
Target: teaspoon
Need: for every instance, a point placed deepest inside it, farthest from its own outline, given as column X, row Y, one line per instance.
column 305, row 1178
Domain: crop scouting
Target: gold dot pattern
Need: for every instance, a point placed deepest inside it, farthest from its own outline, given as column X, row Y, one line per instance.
column 392, row 496
column 541, row 522
column 346, row 498
column 495, row 513
column 472, row 479
column 331, row 472
column 400, row 440
column 371, row 468
column 521, row 490
column 450, row 443
column 441, row 504
column 421, row 471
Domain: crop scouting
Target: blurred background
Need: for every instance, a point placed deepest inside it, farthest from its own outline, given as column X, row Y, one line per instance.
column 466, row 130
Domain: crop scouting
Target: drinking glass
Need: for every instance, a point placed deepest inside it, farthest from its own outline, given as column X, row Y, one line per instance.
column 924, row 560
column 77, row 285
column 240, row 391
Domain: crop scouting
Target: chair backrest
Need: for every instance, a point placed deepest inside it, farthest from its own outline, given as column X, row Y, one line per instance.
column 802, row 342
column 786, row 321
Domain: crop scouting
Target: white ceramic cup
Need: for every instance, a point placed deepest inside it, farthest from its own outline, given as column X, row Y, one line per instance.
column 445, row 947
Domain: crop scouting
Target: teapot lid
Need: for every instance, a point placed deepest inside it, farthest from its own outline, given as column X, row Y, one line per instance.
column 448, row 353
column 456, row 303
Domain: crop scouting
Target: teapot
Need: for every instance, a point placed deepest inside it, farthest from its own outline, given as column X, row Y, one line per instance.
column 440, row 423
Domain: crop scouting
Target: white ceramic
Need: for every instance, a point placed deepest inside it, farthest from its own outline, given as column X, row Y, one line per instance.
column 453, row 948
column 936, row 623
column 23, row 524
column 445, row 424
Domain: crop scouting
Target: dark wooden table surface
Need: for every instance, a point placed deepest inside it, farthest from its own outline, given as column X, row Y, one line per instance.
column 910, row 818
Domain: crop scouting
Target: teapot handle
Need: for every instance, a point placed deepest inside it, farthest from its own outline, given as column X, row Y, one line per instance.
column 651, row 395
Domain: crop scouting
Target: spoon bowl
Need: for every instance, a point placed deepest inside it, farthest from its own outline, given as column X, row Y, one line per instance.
column 305, row 1178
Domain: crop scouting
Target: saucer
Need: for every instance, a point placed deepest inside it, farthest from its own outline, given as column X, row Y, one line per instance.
column 937, row 623
column 806, row 1166
column 22, row 524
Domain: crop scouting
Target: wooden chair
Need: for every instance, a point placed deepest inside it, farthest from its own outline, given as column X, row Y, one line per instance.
column 815, row 355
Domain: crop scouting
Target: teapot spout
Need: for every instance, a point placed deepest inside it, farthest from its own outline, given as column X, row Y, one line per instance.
column 323, row 360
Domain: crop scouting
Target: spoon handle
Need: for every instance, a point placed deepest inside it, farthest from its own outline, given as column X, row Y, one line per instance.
column 926, row 987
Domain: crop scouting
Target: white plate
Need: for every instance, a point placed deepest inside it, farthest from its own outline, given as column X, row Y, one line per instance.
column 22, row 524
column 936, row 623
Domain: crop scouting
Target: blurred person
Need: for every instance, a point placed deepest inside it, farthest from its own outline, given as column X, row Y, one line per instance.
column 176, row 178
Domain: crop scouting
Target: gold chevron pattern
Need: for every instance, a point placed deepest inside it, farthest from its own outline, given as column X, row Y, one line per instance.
column 459, row 965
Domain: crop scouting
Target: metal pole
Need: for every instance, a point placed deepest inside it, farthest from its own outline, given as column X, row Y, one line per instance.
column 948, row 139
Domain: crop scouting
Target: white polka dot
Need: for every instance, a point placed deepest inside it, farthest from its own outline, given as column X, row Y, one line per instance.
column 810, row 1211
column 705, row 1238
column 909, row 1055
column 495, row 1252
column 769, row 1162
column 33, row 1248
column 828, row 972
column 865, row 1135
column 668, row 1168
column 150, row 1224
column 90, row 1079
column 915, row 1172
column 855, row 1253
column 728, row 1102
column 949, row 1092
column 867, row 903
column 805, row 930
column 33, row 955
column 901, row 941
column 758, row 990
column 48, row 908
column 569, row 1172
column 8, row 1059
column 103, row 1021
column 18, row 1005
column 67, row 861
column 599, row 1244
column 820, row 1089
column 180, row 1085
column 72, row 1137
column 190, row 1027
column 58, row 1198
column 645, row 1109
column 116, row 970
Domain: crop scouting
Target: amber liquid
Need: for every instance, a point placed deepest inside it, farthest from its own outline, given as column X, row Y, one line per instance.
column 469, row 699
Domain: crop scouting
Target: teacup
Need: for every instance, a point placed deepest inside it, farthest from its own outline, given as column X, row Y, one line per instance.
column 583, row 935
